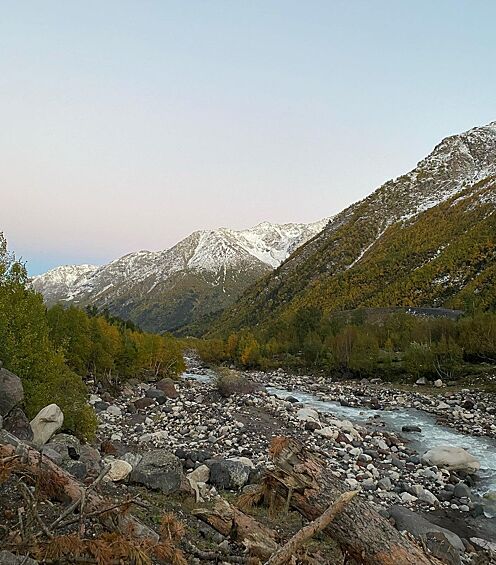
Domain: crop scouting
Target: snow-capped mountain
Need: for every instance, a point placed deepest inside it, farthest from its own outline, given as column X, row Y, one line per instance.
column 163, row 290
column 461, row 167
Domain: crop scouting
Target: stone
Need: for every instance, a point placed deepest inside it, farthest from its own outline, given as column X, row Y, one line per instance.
column 119, row 469
column 452, row 458
column 8, row 558
column 114, row 410
column 159, row 470
column 168, row 387
column 327, row 432
column 411, row 429
column 461, row 490
column 228, row 474
column 438, row 383
column 155, row 393
column 439, row 545
column 142, row 403
column 307, row 415
column 48, row 421
column 385, row 483
column 91, row 458
column 11, row 391
column 132, row 458
column 66, row 445
column 159, row 435
column 422, row 381
column 17, row 423
column 76, row 468
column 201, row 474
column 418, row 526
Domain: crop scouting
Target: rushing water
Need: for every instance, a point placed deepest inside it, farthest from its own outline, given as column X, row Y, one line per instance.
column 432, row 434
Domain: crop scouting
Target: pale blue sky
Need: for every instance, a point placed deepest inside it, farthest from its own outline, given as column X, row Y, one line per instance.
column 127, row 125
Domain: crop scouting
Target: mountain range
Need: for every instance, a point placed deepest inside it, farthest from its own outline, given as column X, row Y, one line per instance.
column 426, row 238
column 167, row 290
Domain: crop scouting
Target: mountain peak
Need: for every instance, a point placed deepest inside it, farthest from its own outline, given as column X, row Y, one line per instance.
column 223, row 261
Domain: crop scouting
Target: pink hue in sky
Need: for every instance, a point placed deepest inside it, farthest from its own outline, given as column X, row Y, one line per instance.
column 128, row 125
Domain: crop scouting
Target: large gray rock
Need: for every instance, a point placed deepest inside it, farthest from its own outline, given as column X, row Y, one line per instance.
column 420, row 527
column 69, row 447
column 168, row 387
column 11, row 391
column 48, row 421
column 17, row 423
column 452, row 458
column 159, row 470
column 228, row 474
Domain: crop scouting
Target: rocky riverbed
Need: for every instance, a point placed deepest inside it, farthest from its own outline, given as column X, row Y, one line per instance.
column 191, row 436
column 191, row 420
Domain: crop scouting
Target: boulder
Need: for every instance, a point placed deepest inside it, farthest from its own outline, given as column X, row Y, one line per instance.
column 418, row 526
column 452, row 458
column 307, row 415
column 17, row 423
column 66, row 445
column 11, row 391
column 422, row 381
column 168, row 387
column 132, row 458
column 48, row 421
column 439, row 545
column 328, row 432
column 119, row 469
column 228, row 474
column 159, row 470
column 142, row 403
column 91, row 458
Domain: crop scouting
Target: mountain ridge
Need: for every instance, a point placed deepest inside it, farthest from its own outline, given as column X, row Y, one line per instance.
column 457, row 162
column 206, row 270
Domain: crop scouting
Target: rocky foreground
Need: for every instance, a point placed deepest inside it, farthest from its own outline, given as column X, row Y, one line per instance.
column 171, row 438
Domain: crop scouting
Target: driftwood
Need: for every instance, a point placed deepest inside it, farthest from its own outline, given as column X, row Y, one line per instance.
column 72, row 491
column 231, row 522
column 290, row 548
column 302, row 478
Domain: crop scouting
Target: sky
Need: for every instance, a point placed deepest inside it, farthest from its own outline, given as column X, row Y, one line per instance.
column 126, row 125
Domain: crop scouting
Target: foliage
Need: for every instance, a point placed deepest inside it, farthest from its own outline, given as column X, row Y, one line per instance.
column 444, row 256
column 111, row 349
column 51, row 350
column 360, row 344
column 26, row 349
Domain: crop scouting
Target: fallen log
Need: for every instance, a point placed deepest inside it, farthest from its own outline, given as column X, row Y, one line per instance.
column 361, row 533
column 258, row 539
column 290, row 548
column 70, row 490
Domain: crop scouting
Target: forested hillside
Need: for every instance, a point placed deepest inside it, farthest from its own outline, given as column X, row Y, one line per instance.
column 424, row 239
column 53, row 351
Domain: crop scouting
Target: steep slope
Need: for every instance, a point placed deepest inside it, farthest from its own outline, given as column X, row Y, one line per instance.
column 321, row 272
column 168, row 289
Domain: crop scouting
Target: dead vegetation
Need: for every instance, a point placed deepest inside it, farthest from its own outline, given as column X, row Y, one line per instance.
column 56, row 520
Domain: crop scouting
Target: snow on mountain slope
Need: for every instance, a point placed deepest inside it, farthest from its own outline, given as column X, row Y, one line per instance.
column 260, row 248
column 456, row 163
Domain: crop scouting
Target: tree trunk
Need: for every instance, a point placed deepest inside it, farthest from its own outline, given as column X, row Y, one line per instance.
column 231, row 522
column 359, row 530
